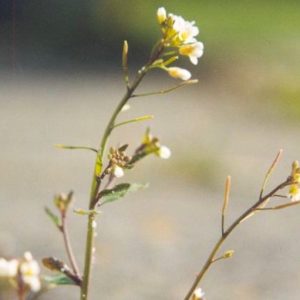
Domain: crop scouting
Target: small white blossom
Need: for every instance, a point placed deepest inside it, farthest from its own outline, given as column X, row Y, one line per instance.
column 164, row 152
column 198, row 294
column 193, row 51
column 186, row 30
column 118, row 171
column 179, row 73
column 33, row 282
column 181, row 34
column 8, row 268
column 161, row 15
column 30, row 270
column 27, row 268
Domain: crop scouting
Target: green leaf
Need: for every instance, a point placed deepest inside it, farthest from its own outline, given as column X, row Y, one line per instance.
column 59, row 279
column 119, row 191
column 68, row 147
column 54, row 218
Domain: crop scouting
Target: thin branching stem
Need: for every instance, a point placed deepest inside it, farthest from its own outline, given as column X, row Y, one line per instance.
column 96, row 182
column 68, row 246
column 289, row 204
column 76, row 147
column 168, row 90
column 135, row 120
column 228, row 231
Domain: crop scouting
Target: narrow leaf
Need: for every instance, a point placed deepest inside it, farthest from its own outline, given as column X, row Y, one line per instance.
column 119, row 191
column 137, row 119
column 59, row 279
column 61, row 146
column 54, row 218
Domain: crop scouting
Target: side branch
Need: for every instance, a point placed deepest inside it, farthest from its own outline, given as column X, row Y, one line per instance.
column 227, row 232
column 68, row 247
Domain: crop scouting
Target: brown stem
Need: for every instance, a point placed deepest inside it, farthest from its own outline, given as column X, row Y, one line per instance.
column 226, row 233
column 68, row 246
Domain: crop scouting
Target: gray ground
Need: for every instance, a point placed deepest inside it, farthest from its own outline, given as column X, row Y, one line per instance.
column 150, row 245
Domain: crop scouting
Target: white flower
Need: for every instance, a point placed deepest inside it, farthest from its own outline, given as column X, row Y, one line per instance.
column 193, row 51
column 8, row 268
column 186, row 30
column 30, row 268
column 118, row 171
column 27, row 268
column 161, row 15
column 198, row 294
column 33, row 282
column 164, row 152
column 179, row 73
column 30, row 271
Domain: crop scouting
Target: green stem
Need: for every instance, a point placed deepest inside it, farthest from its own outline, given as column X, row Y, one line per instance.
column 96, row 184
column 157, row 51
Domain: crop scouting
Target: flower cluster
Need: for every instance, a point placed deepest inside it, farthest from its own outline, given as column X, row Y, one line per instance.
column 180, row 36
column 294, row 191
column 150, row 145
column 24, row 271
column 118, row 161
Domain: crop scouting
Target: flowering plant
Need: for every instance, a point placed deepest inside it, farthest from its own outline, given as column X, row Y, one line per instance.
column 178, row 38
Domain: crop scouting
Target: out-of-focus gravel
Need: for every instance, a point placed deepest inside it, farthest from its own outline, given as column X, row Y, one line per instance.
column 151, row 244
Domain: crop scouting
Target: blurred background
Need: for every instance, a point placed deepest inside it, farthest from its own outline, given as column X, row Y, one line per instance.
column 60, row 78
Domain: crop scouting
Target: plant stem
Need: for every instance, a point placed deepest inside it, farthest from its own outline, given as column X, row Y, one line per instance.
column 96, row 183
column 227, row 232
column 68, row 246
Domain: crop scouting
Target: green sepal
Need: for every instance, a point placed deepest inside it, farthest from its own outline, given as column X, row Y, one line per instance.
column 53, row 217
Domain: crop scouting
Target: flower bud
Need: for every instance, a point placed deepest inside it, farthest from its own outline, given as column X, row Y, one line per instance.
column 179, row 73
column 228, row 254
column 164, row 152
column 161, row 15
column 118, row 171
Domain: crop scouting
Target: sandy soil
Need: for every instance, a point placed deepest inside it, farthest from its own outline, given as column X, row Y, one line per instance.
column 151, row 244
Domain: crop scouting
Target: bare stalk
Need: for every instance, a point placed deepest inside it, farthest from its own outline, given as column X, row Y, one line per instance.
column 226, row 233
column 68, row 246
column 225, row 202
